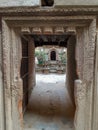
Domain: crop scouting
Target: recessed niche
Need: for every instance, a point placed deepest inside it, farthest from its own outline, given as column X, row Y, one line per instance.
column 47, row 2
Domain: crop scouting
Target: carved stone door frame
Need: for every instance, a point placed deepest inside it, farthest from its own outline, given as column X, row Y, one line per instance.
column 12, row 84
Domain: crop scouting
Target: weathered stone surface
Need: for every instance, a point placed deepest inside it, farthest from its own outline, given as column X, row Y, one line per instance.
column 76, row 2
column 13, row 87
column 95, row 110
column 79, row 91
column 1, row 90
column 16, row 81
column 71, row 66
column 31, row 65
column 88, row 71
column 6, row 74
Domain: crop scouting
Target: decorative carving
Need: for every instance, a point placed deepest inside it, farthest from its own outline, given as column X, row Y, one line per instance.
column 71, row 29
column 59, row 30
column 40, row 11
column 25, row 30
column 48, row 30
column 37, row 30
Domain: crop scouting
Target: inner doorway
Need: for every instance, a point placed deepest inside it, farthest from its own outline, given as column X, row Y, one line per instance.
column 50, row 104
column 53, row 55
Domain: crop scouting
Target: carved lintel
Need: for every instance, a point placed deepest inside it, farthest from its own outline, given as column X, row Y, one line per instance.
column 37, row 30
column 25, row 30
column 71, row 29
column 59, row 30
column 48, row 30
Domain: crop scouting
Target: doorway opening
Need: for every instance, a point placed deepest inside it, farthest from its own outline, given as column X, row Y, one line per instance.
column 53, row 55
column 48, row 3
column 48, row 94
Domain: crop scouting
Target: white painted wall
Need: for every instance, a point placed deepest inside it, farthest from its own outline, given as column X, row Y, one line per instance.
column 10, row 3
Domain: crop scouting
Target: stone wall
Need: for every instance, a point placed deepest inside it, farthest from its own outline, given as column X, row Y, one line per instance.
column 71, row 66
column 75, row 2
column 1, row 88
column 31, row 65
column 27, row 69
column 95, row 111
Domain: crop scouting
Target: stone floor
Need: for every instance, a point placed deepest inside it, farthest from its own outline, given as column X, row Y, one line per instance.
column 50, row 107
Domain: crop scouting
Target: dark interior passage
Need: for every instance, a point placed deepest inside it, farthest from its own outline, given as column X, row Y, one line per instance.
column 53, row 55
column 47, row 2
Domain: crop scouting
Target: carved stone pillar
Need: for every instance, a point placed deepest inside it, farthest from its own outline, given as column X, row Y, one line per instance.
column 79, row 121
column 95, row 112
column 84, row 91
column 88, row 72
column 16, row 81
column 6, row 74
column 31, row 65
column 71, row 66
column 1, row 88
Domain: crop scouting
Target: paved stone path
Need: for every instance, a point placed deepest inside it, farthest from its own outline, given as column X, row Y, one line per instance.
column 49, row 107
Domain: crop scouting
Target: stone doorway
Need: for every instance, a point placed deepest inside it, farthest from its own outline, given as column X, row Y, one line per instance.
column 13, row 85
column 53, row 55
column 63, row 108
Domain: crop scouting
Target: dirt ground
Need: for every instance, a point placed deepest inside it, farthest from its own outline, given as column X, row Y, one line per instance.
column 50, row 107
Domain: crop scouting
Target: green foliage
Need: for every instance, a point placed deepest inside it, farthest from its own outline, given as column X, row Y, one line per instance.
column 40, row 56
column 63, row 57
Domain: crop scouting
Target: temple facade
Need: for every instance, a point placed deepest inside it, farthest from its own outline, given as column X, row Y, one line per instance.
column 50, row 59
